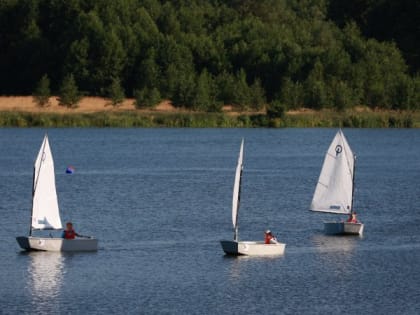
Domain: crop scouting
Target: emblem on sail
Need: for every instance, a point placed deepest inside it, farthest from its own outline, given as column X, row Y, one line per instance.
column 338, row 149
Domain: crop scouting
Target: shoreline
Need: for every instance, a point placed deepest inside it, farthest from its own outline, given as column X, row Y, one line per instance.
column 21, row 111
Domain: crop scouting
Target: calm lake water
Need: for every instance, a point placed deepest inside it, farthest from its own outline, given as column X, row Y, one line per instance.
column 159, row 201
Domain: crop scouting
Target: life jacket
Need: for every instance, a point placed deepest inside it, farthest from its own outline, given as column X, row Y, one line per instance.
column 69, row 234
column 268, row 238
column 352, row 220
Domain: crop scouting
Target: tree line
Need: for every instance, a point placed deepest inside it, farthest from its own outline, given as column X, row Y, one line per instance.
column 202, row 54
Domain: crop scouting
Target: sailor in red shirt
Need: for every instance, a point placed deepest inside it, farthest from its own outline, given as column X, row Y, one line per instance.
column 69, row 232
column 352, row 218
column 269, row 238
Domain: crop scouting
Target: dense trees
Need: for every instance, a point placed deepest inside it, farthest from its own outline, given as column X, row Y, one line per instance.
column 202, row 54
column 385, row 20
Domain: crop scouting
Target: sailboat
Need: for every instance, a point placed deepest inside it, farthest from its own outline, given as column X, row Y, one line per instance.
column 250, row 248
column 45, row 210
column 334, row 192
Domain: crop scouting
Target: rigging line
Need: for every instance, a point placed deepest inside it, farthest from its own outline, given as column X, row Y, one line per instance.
column 43, row 156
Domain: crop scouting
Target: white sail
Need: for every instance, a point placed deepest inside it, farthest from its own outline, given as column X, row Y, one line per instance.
column 237, row 188
column 334, row 191
column 45, row 211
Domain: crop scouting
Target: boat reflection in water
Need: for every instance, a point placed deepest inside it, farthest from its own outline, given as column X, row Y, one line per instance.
column 238, row 266
column 45, row 281
column 336, row 253
column 327, row 243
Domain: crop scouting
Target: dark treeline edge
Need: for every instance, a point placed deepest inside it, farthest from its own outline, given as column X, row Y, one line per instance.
column 212, row 120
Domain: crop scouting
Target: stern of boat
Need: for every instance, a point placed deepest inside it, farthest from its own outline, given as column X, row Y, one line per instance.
column 353, row 228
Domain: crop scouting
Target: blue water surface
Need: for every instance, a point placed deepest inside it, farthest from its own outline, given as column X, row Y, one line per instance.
column 159, row 200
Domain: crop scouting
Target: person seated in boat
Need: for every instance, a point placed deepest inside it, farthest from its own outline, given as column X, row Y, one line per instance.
column 69, row 233
column 270, row 238
column 352, row 218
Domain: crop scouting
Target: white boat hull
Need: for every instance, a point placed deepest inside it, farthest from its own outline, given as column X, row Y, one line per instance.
column 252, row 248
column 57, row 244
column 343, row 228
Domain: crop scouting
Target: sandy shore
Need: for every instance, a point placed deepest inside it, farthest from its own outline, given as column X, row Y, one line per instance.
column 86, row 105
column 91, row 104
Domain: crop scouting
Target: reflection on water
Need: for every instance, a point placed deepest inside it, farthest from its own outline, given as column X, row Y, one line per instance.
column 239, row 265
column 46, row 277
column 336, row 252
column 234, row 266
column 327, row 243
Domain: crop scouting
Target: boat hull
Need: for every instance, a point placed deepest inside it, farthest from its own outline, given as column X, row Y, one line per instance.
column 343, row 228
column 57, row 244
column 252, row 248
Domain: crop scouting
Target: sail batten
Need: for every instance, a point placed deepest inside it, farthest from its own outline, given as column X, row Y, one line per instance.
column 237, row 189
column 45, row 210
column 334, row 190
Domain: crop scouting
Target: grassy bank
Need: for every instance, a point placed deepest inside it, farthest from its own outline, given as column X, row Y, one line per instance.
column 381, row 119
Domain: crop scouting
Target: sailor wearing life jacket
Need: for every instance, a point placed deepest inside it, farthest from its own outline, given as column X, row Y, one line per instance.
column 69, row 233
column 352, row 218
column 269, row 238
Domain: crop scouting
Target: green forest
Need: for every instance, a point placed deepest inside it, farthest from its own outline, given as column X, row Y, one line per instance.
column 203, row 54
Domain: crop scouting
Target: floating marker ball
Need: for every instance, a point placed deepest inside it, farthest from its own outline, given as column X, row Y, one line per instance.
column 69, row 170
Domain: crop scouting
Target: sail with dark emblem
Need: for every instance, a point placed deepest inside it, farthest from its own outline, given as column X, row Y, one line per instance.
column 334, row 190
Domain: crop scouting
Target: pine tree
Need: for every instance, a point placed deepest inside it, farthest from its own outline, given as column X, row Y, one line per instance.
column 257, row 95
column 116, row 92
column 146, row 98
column 69, row 94
column 291, row 94
column 205, row 99
column 242, row 95
column 315, row 88
column 42, row 92
column 276, row 110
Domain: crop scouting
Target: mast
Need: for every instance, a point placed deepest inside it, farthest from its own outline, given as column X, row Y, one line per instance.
column 354, row 176
column 236, row 233
column 236, row 198
column 32, row 206
column 34, row 183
